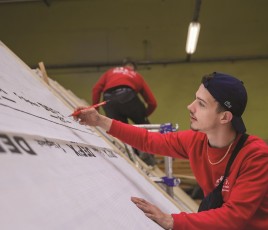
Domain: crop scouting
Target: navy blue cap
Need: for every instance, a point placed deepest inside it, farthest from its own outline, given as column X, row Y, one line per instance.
column 231, row 94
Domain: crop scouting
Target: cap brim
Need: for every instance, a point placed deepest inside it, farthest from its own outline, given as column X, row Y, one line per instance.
column 238, row 124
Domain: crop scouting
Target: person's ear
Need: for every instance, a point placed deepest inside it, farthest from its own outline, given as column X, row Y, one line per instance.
column 226, row 117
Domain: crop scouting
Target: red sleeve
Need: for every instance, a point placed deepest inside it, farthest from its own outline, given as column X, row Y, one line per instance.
column 167, row 144
column 98, row 89
column 148, row 96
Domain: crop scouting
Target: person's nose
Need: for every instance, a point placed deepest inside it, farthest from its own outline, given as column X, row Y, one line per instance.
column 190, row 106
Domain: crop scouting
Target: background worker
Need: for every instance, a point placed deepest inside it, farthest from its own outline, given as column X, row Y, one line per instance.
column 216, row 128
column 122, row 86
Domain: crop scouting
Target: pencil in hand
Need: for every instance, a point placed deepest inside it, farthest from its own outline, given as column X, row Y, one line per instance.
column 89, row 107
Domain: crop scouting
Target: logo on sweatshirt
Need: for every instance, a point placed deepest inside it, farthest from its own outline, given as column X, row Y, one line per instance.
column 125, row 71
column 226, row 184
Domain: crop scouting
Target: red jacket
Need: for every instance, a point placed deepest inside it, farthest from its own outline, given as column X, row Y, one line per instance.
column 124, row 76
column 245, row 191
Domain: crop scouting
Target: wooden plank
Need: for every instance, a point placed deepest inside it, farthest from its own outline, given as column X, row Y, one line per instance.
column 44, row 72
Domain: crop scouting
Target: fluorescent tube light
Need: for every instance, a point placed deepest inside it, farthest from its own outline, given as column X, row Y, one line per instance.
column 192, row 37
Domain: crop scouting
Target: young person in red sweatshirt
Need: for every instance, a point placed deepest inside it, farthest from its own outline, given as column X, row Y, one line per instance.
column 216, row 126
column 121, row 86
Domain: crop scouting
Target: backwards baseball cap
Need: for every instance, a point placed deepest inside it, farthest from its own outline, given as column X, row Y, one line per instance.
column 230, row 93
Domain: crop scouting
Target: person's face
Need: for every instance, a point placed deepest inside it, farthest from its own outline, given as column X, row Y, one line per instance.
column 204, row 116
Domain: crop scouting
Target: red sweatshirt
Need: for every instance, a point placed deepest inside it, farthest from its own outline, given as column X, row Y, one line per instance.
column 245, row 191
column 128, row 77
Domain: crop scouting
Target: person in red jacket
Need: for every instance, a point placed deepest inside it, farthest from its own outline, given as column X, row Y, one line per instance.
column 216, row 127
column 121, row 86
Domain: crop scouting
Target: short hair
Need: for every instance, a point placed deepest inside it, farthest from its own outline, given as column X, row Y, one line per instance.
column 128, row 61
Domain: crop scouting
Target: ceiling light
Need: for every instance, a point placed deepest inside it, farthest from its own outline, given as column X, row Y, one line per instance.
column 192, row 37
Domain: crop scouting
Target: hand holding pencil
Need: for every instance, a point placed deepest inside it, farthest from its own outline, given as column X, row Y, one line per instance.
column 77, row 112
column 91, row 117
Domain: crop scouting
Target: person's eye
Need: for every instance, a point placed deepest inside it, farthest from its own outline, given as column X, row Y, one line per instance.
column 201, row 104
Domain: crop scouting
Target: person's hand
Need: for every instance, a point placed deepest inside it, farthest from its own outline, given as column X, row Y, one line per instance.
column 91, row 117
column 154, row 213
column 87, row 116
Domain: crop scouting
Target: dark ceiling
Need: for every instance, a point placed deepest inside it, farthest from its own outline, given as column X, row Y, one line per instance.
column 84, row 33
